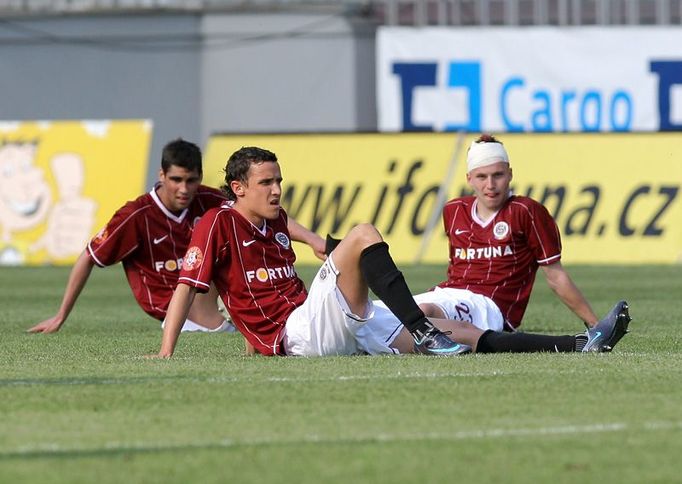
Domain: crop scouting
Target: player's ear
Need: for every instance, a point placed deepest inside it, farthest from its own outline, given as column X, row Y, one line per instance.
column 511, row 173
column 237, row 187
column 162, row 175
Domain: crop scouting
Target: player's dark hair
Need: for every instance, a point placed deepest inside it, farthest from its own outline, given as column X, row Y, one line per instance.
column 488, row 138
column 237, row 167
column 183, row 154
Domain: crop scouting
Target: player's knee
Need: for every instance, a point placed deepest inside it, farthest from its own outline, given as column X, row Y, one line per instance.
column 432, row 311
column 364, row 235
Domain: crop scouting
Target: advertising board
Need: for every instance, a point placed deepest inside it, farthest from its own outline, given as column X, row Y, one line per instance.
column 531, row 79
column 616, row 197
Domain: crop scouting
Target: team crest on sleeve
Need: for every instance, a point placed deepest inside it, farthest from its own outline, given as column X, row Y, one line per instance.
column 101, row 235
column 501, row 230
column 193, row 258
column 282, row 240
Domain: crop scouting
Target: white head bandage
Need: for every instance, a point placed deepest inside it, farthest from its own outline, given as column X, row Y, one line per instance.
column 484, row 154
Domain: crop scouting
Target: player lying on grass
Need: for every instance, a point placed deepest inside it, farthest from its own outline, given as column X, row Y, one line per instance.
column 150, row 235
column 244, row 249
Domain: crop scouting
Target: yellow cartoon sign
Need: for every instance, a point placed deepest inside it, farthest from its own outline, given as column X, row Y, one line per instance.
column 61, row 180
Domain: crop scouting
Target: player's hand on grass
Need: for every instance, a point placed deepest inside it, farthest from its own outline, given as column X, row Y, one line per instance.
column 50, row 325
column 161, row 355
column 249, row 350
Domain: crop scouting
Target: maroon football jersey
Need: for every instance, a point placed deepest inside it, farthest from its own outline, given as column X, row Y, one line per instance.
column 150, row 241
column 252, row 269
column 499, row 258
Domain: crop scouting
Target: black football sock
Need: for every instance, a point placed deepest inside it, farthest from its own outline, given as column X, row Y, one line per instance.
column 495, row 342
column 330, row 244
column 387, row 282
column 580, row 341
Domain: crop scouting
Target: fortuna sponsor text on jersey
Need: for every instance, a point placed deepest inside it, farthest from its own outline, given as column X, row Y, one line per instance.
column 262, row 274
column 483, row 252
column 169, row 265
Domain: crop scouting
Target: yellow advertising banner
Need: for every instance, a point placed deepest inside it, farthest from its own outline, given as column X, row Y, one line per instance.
column 616, row 197
column 60, row 181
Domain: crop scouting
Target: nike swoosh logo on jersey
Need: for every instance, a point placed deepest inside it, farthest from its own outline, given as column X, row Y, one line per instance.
column 158, row 241
column 459, row 231
column 247, row 243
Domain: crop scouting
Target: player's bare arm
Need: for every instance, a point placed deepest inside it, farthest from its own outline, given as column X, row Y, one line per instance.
column 204, row 309
column 564, row 287
column 175, row 318
column 301, row 234
column 77, row 279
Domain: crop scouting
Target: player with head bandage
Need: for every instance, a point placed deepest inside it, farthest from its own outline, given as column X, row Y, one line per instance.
column 497, row 242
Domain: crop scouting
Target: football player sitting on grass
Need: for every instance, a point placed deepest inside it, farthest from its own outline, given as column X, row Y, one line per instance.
column 150, row 235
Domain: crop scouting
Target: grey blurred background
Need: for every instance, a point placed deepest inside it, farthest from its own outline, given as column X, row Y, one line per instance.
column 197, row 67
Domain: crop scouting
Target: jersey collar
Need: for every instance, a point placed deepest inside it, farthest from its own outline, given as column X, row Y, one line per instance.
column 263, row 231
column 485, row 223
column 166, row 212
column 477, row 219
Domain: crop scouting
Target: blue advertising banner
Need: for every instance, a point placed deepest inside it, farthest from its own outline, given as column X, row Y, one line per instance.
column 587, row 79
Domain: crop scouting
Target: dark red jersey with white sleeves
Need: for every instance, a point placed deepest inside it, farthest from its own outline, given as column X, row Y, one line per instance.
column 253, row 270
column 499, row 258
column 150, row 241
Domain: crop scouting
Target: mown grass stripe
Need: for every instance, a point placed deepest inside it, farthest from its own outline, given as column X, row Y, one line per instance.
column 19, row 382
column 54, row 450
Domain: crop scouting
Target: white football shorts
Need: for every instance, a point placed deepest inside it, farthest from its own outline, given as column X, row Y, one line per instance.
column 464, row 305
column 324, row 325
column 192, row 327
column 378, row 333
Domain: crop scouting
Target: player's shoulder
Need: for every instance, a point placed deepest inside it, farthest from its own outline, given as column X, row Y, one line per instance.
column 223, row 210
column 216, row 218
column 207, row 197
column 465, row 201
column 140, row 204
column 210, row 192
column 528, row 205
column 521, row 200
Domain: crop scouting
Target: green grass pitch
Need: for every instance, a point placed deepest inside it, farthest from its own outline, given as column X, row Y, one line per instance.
column 83, row 405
